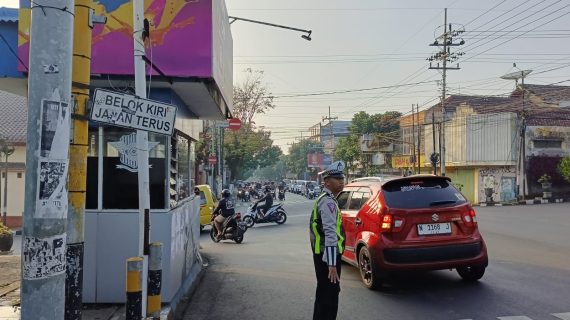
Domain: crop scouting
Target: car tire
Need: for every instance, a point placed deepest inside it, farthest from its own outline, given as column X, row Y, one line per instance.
column 369, row 273
column 471, row 273
column 248, row 221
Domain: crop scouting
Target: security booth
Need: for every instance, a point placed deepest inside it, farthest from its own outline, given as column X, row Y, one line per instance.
column 189, row 64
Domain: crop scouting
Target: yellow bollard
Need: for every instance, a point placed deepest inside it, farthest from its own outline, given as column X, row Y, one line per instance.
column 154, row 280
column 134, row 288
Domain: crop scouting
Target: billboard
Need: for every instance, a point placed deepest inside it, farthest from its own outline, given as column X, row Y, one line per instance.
column 318, row 160
column 181, row 39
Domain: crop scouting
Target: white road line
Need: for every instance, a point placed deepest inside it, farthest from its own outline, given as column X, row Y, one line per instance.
column 563, row 316
column 514, row 318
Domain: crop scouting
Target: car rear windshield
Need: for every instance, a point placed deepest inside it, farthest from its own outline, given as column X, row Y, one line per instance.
column 421, row 193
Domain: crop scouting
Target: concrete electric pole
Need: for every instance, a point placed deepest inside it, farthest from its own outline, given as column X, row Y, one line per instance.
column 445, row 55
column 47, row 160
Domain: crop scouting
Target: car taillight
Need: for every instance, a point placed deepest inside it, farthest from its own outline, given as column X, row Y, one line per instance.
column 470, row 218
column 386, row 225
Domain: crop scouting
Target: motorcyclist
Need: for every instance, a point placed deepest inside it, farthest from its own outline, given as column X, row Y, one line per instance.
column 268, row 202
column 281, row 190
column 225, row 209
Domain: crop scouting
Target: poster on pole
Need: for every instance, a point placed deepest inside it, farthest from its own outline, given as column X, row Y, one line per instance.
column 43, row 257
column 53, row 164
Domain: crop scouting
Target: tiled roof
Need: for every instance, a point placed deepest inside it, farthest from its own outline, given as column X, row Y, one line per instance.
column 555, row 117
column 8, row 14
column 14, row 116
column 549, row 93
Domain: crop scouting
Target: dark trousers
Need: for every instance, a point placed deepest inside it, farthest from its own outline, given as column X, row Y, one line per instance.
column 326, row 297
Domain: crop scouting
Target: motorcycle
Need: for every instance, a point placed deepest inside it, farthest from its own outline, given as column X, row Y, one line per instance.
column 275, row 214
column 311, row 193
column 281, row 195
column 246, row 197
column 233, row 228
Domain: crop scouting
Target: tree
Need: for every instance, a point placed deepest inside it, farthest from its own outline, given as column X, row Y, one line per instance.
column 247, row 149
column 297, row 159
column 348, row 150
column 251, row 98
column 564, row 168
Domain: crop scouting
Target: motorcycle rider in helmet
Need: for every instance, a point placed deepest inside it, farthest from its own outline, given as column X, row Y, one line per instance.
column 268, row 202
column 225, row 208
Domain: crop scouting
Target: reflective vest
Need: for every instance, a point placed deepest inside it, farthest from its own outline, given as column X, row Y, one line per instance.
column 317, row 233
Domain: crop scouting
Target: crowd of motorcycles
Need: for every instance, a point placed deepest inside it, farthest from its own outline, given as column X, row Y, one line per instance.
column 236, row 225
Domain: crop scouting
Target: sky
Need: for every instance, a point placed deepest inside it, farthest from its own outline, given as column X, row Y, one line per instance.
column 384, row 44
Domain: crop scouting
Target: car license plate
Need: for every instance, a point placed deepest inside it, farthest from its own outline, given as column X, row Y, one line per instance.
column 434, row 228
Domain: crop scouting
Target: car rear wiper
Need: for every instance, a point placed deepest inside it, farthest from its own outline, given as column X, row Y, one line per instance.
column 439, row 202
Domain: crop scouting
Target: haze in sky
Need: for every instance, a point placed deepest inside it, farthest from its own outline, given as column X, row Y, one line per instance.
column 384, row 44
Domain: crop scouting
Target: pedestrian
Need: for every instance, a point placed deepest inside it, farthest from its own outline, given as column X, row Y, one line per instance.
column 327, row 242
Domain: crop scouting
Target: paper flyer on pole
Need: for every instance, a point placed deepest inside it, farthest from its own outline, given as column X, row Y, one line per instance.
column 51, row 201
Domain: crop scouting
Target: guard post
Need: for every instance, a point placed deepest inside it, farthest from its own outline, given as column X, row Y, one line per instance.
column 134, row 288
column 154, row 280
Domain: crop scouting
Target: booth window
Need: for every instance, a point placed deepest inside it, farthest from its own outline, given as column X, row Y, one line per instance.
column 180, row 164
column 92, row 168
column 120, row 169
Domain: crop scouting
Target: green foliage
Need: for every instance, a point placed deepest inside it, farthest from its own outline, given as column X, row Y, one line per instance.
column 348, row 150
column 545, row 178
column 246, row 150
column 564, row 168
column 275, row 172
column 4, row 230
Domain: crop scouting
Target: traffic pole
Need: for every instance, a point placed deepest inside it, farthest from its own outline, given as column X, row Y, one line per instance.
column 142, row 144
column 81, row 78
column 47, row 160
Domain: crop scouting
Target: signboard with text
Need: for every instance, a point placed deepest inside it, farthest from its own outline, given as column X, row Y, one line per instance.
column 125, row 110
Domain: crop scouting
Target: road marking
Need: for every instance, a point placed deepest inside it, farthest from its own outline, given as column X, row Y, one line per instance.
column 563, row 316
column 514, row 318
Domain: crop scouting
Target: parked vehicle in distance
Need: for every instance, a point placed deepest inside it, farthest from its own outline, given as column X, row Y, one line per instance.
column 413, row 223
column 207, row 204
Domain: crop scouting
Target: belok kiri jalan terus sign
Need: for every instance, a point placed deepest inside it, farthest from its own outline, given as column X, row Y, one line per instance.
column 128, row 111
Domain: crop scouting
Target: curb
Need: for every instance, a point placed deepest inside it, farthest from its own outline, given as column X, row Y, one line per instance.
column 523, row 202
column 180, row 310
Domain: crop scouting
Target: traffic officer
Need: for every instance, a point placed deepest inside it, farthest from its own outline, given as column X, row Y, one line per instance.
column 327, row 242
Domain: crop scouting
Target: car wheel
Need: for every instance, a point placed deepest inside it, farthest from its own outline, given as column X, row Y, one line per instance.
column 368, row 271
column 471, row 273
column 201, row 227
column 248, row 221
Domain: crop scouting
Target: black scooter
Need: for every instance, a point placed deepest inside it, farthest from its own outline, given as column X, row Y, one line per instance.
column 233, row 228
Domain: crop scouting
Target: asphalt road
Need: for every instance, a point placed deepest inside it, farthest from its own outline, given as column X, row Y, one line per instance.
column 270, row 275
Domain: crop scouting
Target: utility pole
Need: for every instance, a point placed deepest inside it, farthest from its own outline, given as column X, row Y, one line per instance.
column 445, row 55
column 412, row 151
column 434, row 154
column 419, row 137
column 7, row 150
column 329, row 118
column 47, row 160
column 81, row 79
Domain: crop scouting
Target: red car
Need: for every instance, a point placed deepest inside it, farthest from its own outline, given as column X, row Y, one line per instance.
column 419, row 222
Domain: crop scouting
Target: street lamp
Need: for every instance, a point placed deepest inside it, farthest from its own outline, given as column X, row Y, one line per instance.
column 306, row 36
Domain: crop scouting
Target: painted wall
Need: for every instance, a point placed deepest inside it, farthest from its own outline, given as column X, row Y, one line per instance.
column 497, row 184
column 464, row 179
column 558, row 135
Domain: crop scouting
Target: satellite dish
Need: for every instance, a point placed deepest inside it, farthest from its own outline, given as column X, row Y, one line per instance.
column 516, row 75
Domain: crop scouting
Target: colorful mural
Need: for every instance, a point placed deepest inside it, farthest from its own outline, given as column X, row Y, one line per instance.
column 497, row 184
column 180, row 37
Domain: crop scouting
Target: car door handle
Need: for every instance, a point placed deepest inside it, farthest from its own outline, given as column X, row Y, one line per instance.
column 357, row 221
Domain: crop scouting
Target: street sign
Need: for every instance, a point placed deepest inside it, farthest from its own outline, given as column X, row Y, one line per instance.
column 125, row 110
column 212, row 159
column 234, row 124
column 222, row 124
